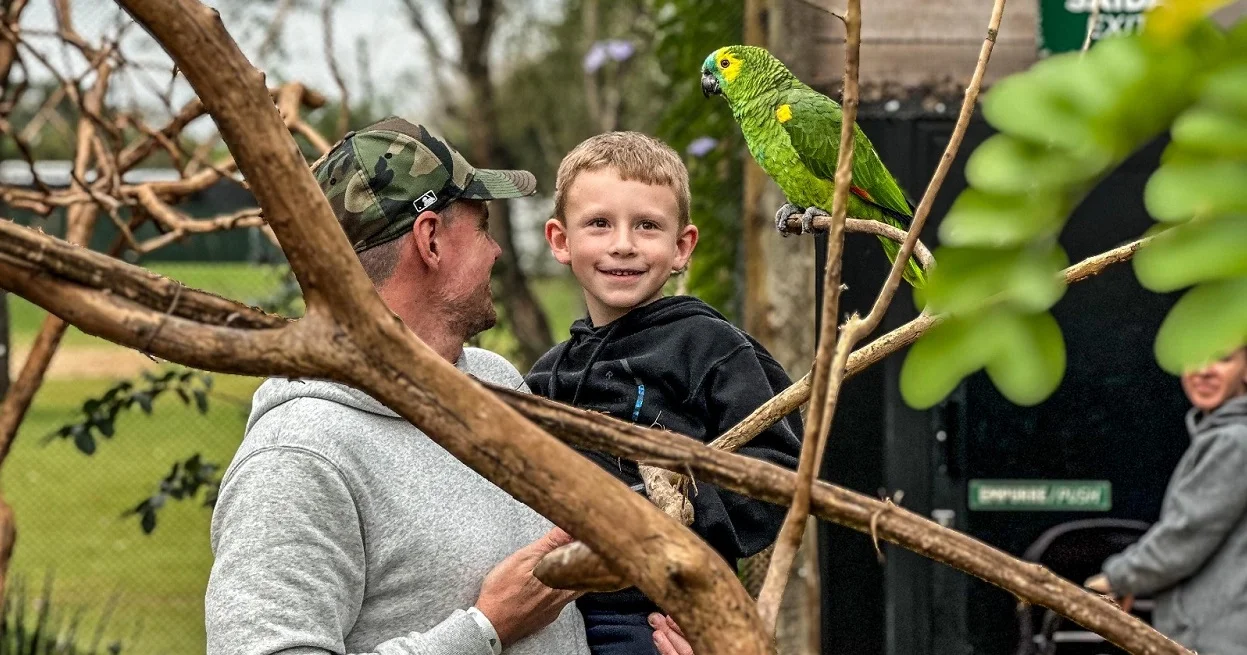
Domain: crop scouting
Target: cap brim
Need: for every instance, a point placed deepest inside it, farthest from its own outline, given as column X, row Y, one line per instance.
column 489, row 184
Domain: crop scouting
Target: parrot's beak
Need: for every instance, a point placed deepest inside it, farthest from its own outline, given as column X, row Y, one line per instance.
column 709, row 85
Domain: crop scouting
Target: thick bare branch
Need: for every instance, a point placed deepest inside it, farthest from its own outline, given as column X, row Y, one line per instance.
column 352, row 337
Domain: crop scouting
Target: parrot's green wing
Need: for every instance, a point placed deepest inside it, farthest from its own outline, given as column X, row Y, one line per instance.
column 813, row 122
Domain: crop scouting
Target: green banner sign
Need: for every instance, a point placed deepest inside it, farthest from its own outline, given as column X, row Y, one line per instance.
column 1041, row 495
column 1063, row 23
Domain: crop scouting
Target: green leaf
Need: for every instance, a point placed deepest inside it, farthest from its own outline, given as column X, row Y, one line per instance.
column 1189, row 253
column 1216, row 133
column 149, row 521
column 967, row 279
column 1187, row 190
column 144, row 400
column 1005, row 164
column 1226, row 89
column 83, row 439
column 201, row 400
column 946, row 354
column 105, row 426
column 1207, row 322
column 1030, row 366
column 981, row 219
column 1024, row 105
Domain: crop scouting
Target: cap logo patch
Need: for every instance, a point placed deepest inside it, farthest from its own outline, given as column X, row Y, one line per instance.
column 425, row 201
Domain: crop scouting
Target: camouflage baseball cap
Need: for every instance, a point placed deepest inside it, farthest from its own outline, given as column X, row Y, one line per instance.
column 380, row 178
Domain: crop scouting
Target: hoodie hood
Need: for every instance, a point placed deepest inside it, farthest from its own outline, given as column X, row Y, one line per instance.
column 275, row 392
column 660, row 312
column 1233, row 410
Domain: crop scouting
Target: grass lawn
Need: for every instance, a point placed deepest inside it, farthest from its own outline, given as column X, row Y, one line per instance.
column 68, row 505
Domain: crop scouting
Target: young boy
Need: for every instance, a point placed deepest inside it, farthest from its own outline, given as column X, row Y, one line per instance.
column 1194, row 559
column 622, row 224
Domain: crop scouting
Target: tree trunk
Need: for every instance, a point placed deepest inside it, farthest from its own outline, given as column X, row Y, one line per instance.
column 527, row 320
column 5, row 344
column 779, row 281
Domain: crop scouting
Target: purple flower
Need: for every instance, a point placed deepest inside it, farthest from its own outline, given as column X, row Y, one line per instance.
column 595, row 58
column 702, row 145
column 619, row 50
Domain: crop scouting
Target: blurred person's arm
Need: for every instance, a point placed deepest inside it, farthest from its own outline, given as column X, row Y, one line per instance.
column 1203, row 505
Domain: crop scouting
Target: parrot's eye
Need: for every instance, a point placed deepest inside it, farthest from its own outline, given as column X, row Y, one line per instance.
column 724, row 63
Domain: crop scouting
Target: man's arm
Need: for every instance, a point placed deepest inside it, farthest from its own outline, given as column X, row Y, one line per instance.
column 288, row 575
column 1205, row 504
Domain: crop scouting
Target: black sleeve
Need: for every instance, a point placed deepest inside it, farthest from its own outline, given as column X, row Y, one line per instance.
column 736, row 385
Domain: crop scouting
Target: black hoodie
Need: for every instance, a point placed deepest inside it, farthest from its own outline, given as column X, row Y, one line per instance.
column 678, row 364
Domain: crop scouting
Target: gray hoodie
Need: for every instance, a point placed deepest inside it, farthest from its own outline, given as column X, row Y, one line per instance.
column 341, row 528
column 1194, row 559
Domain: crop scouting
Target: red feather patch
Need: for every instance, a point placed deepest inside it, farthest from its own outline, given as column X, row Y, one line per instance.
column 861, row 193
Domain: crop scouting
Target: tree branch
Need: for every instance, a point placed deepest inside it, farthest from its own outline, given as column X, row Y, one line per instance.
column 833, row 349
column 149, row 295
column 350, row 336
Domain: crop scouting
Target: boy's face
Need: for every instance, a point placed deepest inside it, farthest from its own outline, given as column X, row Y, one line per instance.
column 622, row 239
column 1209, row 387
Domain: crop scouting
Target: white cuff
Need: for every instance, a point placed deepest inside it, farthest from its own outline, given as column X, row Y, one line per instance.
column 491, row 635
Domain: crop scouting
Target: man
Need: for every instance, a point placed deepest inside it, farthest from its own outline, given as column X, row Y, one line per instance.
column 1194, row 559
column 340, row 527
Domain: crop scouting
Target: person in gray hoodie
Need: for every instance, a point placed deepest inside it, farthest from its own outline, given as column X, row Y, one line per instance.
column 1194, row 559
column 339, row 526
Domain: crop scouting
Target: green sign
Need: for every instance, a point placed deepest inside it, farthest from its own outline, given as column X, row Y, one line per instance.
column 1041, row 495
column 1063, row 23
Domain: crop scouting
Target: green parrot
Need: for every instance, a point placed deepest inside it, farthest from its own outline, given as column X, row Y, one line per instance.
column 793, row 132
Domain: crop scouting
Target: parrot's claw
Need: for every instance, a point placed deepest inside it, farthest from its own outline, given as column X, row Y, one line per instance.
column 807, row 220
column 782, row 216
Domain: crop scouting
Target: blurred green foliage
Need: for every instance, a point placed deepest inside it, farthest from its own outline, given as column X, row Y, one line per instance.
column 1064, row 125
column 688, row 30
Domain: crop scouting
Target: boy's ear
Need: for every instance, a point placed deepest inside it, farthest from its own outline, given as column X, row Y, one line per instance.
column 684, row 245
column 425, row 234
column 556, row 236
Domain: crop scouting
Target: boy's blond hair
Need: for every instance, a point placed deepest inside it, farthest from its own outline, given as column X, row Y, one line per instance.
column 634, row 156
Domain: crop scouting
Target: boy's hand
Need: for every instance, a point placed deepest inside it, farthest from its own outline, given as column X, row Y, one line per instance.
column 515, row 602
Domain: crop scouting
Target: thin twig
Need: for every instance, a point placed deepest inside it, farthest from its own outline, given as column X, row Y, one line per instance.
column 791, row 399
column 832, row 352
column 1092, row 19
column 344, row 105
column 867, row 226
column 893, row 282
column 821, row 7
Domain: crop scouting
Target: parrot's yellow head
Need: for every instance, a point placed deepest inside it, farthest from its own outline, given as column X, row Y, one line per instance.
column 739, row 71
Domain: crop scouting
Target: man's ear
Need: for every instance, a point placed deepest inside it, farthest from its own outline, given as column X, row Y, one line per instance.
column 426, row 232
column 556, row 236
column 684, row 245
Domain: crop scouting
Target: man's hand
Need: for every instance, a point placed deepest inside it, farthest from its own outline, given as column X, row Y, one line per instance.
column 668, row 638
column 514, row 601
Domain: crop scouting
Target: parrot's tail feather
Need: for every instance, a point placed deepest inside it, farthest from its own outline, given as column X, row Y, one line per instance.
column 914, row 274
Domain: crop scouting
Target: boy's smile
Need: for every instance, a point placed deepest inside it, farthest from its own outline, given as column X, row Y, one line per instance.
column 622, row 239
